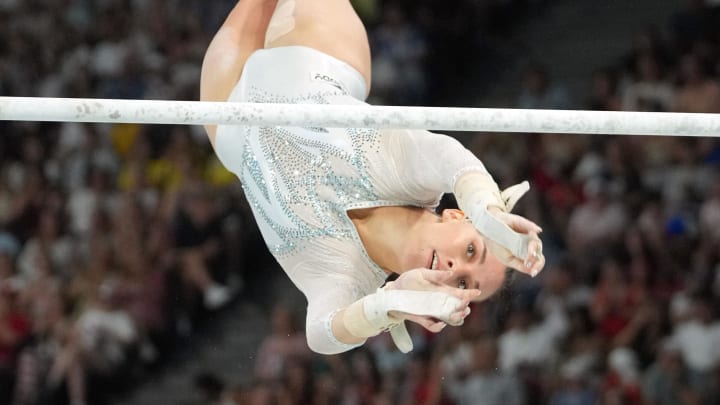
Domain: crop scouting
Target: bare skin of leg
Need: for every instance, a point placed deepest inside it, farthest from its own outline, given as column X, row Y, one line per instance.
column 242, row 33
column 330, row 26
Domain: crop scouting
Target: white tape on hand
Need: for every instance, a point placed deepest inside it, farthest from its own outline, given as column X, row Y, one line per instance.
column 371, row 315
column 477, row 191
column 512, row 194
column 423, row 303
column 498, row 232
column 401, row 337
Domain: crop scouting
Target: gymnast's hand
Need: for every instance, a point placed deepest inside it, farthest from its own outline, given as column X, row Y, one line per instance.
column 419, row 296
column 527, row 231
column 433, row 281
column 512, row 239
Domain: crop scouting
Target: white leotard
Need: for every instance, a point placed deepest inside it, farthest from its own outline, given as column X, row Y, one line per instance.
column 301, row 182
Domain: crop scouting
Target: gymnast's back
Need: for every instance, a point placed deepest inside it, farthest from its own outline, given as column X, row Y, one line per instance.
column 301, row 182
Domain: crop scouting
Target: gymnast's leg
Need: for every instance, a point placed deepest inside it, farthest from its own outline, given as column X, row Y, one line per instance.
column 329, row 26
column 242, row 33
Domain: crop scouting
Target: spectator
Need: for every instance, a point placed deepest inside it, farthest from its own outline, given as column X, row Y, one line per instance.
column 85, row 203
column 666, row 380
column 326, row 389
column 698, row 340
column 710, row 215
column 140, row 292
column 297, row 383
column 622, row 382
column 285, row 342
column 198, row 238
column 364, row 381
column 573, row 390
column 598, row 222
column 50, row 242
column 540, row 92
column 108, row 340
column 604, row 91
column 49, row 366
column 614, row 301
column 531, row 339
column 398, row 63
column 14, row 328
column 649, row 90
column 698, row 92
column 482, row 382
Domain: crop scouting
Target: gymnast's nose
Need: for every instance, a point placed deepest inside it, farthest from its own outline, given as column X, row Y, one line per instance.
column 452, row 263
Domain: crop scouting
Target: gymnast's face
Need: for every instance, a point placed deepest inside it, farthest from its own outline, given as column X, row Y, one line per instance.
column 453, row 243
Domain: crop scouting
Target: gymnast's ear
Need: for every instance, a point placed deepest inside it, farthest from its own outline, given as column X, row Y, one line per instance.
column 452, row 214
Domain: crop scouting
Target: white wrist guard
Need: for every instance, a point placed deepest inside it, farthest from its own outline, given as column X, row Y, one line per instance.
column 370, row 315
column 475, row 192
column 479, row 187
column 401, row 337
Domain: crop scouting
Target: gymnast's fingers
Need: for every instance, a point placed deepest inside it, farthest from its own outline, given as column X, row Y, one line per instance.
column 457, row 318
column 433, row 280
column 516, row 263
column 521, row 224
column 534, row 263
column 441, row 282
column 420, row 280
column 431, row 324
column 436, row 277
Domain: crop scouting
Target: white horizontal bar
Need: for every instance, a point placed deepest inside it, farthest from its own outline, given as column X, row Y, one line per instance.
column 358, row 116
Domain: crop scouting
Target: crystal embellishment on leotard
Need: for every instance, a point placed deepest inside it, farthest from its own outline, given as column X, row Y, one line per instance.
column 311, row 176
column 251, row 163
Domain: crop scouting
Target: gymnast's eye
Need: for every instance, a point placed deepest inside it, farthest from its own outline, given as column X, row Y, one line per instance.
column 462, row 284
column 470, row 251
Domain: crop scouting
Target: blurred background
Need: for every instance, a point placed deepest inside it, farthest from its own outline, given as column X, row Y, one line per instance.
column 131, row 270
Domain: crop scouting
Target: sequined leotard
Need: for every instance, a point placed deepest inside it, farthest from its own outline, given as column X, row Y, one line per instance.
column 301, row 182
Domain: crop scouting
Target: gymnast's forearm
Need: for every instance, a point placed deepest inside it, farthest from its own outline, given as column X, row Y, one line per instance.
column 341, row 332
column 386, row 308
column 512, row 239
column 477, row 187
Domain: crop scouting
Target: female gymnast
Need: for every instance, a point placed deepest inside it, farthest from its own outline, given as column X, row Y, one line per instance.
column 344, row 209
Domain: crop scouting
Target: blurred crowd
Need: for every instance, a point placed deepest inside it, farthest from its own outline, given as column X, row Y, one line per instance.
column 117, row 241
column 114, row 239
column 626, row 311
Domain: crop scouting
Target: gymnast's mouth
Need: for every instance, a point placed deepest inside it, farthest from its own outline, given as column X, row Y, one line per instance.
column 433, row 261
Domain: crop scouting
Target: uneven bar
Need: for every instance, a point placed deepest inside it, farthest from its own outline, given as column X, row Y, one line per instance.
column 358, row 116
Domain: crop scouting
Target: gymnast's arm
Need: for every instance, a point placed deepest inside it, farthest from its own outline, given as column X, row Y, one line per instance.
column 424, row 164
column 341, row 316
column 323, row 325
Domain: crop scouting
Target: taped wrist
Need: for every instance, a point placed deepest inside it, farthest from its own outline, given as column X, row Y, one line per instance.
column 370, row 315
column 476, row 191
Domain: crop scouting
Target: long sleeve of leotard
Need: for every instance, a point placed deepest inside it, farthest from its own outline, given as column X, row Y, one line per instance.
column 421, row 165
column 327, row 292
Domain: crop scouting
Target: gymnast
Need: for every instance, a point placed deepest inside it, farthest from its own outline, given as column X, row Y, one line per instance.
column 345, row 210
